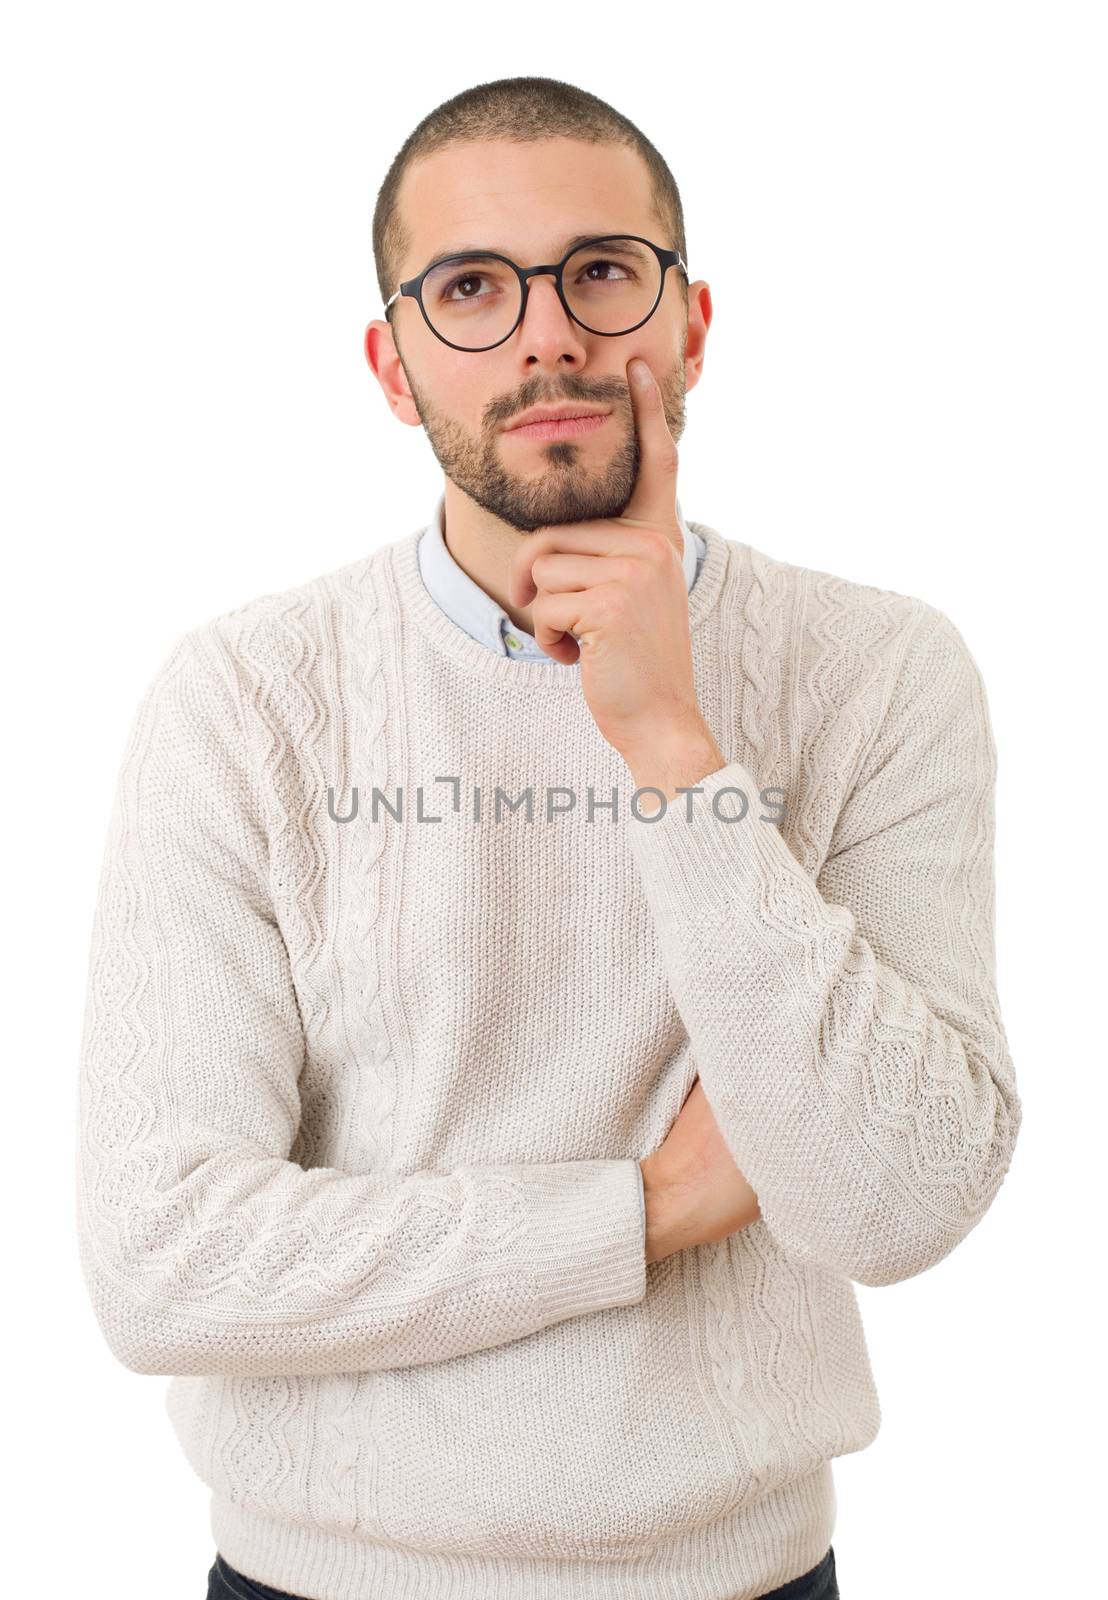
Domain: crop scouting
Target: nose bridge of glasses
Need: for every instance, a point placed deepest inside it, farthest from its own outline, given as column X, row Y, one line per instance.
column 552, row 270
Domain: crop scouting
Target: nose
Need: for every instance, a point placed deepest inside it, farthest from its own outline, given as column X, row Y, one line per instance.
column 547, row 334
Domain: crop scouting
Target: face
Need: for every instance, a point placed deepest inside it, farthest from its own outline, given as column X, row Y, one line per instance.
column 525, row 201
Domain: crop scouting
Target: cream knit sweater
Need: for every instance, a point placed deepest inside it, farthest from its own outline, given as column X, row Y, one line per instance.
column 362, row 1102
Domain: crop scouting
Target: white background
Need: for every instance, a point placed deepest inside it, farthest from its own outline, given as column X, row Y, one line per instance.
column 900, row 210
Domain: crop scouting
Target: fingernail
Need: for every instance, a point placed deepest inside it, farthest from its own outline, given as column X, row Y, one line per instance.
column 640, row 373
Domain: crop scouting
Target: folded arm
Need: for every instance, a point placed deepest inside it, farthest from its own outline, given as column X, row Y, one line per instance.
column 847, row 1030
column 204, row 1247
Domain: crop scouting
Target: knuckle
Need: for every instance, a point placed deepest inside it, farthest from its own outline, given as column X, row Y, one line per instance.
column 657, row 548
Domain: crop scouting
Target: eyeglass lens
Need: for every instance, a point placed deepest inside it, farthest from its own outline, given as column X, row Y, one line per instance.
column 473, row 301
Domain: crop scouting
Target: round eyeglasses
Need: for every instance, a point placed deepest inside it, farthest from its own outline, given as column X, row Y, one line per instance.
column 609, row 285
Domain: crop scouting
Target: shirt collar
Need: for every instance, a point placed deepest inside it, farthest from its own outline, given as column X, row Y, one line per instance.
column 467, row 604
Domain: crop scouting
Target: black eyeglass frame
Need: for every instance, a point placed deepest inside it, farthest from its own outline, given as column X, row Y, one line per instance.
column 414, row 286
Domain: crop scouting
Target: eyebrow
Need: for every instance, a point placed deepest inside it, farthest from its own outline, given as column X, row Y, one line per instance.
column 484, row 249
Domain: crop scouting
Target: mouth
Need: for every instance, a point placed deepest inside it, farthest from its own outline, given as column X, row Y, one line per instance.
column 560, row 427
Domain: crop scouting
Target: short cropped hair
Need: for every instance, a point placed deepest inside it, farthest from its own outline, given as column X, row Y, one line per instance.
column 524, row 110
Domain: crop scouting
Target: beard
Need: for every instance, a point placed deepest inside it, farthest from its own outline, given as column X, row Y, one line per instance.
column 567, row 480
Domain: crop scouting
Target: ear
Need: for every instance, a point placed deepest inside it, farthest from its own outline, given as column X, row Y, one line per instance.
column 700, row 318
column 384, row 362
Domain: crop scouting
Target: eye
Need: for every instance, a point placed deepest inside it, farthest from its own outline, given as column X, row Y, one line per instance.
column 465, row 277
column 604, row 262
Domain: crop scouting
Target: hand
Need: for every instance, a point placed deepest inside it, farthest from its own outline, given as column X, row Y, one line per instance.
column 618, row 585
column 693, row 1190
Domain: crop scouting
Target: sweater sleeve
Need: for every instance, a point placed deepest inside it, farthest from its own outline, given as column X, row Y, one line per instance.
column 205, row 1249
column 847, row 1029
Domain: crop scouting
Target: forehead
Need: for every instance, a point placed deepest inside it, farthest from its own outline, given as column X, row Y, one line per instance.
column 523, row 199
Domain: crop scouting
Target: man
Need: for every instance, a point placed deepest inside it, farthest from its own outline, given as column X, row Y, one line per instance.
column 540, row 966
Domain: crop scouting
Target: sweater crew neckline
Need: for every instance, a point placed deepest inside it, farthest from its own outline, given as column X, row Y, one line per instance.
column 553, row 676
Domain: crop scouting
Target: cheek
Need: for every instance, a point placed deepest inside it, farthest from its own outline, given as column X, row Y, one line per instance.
column 452, row 384
column 658, row 350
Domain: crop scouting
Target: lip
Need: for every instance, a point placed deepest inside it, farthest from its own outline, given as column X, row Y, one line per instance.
column 561, row 427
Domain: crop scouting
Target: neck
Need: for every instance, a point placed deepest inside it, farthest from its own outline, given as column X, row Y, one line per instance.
column 483, row 546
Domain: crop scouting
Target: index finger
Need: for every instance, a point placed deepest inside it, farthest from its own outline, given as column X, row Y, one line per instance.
column 654, row 498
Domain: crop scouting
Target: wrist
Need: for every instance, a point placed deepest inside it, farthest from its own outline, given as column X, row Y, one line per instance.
column 680, row 759
column 664, row 1231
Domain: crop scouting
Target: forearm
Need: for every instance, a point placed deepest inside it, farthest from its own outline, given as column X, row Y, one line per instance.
column 260, row 1268
column 846, row 1026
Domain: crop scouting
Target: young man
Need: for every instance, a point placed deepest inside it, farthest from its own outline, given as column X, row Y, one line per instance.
column 539, row 966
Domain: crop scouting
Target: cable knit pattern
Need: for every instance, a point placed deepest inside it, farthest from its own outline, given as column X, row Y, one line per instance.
column 362, row 1099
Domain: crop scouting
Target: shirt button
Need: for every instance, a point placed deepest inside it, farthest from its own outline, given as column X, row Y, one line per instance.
column 513, row 642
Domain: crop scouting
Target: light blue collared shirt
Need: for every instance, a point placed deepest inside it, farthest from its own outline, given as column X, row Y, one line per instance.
column 467, row 604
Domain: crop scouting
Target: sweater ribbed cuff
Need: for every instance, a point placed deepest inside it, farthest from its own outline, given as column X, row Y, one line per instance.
column 584, row 1241
column 702, row 853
